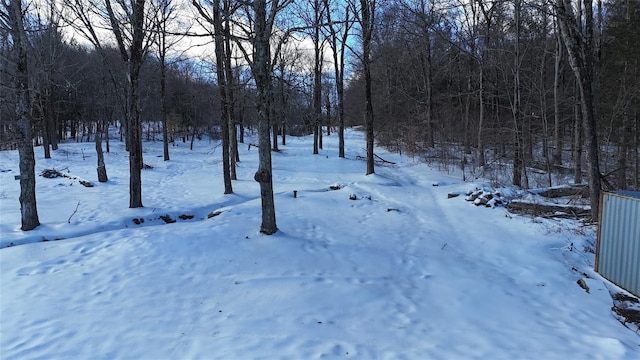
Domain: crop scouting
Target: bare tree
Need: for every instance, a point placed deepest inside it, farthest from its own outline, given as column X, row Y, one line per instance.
column 212, row 13
column 338, row 36
column 129, row 26
column 165, row 17
column 261, row 16
column 12, row 19
column 47, row 65
column 579, row 44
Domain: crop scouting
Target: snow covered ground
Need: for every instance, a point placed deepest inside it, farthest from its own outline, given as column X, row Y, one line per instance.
column 402, row 272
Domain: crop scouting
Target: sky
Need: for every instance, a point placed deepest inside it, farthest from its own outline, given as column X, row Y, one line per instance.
column 401, row 272
column 200, row 47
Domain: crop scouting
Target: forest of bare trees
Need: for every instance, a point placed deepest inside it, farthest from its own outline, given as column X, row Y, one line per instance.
column 515, row 86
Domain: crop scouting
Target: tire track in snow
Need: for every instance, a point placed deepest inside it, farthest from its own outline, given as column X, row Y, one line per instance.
column 412, row 239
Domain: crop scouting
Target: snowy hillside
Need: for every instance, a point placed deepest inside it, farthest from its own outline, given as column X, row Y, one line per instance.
column 401, row 272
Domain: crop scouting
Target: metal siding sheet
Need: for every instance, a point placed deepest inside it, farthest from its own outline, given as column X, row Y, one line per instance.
column 619, row 249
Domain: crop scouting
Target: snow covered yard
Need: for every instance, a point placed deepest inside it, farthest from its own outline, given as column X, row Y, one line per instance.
column 402, row 272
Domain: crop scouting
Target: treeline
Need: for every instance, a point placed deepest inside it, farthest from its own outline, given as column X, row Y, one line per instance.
column 482, row 84
column 76, row 92
column 535, row 85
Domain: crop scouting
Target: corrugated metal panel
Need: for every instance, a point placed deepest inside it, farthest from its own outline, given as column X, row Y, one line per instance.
column 618, row 249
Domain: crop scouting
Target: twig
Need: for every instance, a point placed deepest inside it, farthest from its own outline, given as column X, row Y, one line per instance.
column 74, row 212
column 383, row 160
column 359, row 157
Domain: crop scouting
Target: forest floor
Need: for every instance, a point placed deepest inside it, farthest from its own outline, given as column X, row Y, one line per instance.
column 385, row 266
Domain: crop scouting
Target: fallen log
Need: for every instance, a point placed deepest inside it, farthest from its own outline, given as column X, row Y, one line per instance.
column 561, row 191
column 53, row 173
column 547, row 210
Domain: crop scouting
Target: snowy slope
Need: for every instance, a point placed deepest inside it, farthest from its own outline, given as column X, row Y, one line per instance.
column 402, row 272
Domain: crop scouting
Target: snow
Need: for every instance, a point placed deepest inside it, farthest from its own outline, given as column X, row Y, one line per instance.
column 402, row 272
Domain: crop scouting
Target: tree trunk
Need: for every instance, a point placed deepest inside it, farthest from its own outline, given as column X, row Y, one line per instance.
column 233, row 136
column 338, row 68
column 163, row 94
column 262, row 75
column 106, row 135
column 518, row 151
column 577, row 142
column 624, row 142
column 467, row 114
column 317, row 78
column 48, row 120
column 28, row 208
column 580, row 51
column 636, row 131
column 282, row 103
column 241, row 123
column 222, row 86
column 274, row 129
column 427, row 73
column 367, row 27
column 557, row 124
column 134, row 128
column 102, row 168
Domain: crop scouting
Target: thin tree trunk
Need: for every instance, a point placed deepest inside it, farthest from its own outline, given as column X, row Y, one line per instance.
column 163, row 97
column 274, row 128
column 106, row 133
column 557, row 123
column 102, row 168
column 367, row 27
column 467, row 116
column 580, row 52
column 233, row 136
column 222, row 86
column 48, row 119
column 636, row 146
column 481, row 158
column 577, row 142
column 317, row 79
column 518, row 153
column 427, row 76
column 338, row 68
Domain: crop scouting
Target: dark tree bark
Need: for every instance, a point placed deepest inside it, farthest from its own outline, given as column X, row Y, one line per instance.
column 275, row 121
column 23, row 123
column 282, row 101
column 135, row 139
column 518, row 163
column 234, row 156
column 317, row 76
column 577, row 140
column 557, row 124
column 222, row 85
column 102, row 168
column 262, row 74
column 367, row 8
